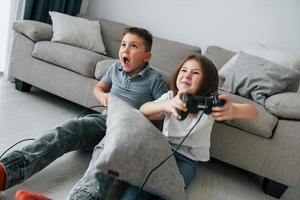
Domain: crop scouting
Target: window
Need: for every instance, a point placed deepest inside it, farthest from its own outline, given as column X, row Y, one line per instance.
column 4, row 19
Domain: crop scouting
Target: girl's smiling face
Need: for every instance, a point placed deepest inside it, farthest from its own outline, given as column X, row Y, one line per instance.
column 190, row 77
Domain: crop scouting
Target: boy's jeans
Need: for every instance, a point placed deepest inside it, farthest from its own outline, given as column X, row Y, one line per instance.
column 82, row 133
column 94, row 184
column 187, row 169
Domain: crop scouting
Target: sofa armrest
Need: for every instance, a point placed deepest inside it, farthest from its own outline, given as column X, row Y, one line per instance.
column 35, row 30
column 285, row 105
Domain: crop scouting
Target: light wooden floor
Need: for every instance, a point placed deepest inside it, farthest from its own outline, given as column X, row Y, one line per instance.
column 27, row 115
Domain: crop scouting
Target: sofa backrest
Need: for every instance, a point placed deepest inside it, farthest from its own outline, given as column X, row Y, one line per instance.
column 166, row 54
column 219, row 56
column 112, row 34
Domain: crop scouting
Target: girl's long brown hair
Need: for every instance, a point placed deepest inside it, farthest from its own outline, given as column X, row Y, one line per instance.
column 209, row 84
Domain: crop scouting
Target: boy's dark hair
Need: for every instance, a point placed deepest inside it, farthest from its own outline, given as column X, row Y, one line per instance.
column 209, row 84
column 142, row 33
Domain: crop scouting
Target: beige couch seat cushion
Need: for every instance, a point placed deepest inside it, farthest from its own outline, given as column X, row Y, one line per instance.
column 262, row 126
column 73, row 58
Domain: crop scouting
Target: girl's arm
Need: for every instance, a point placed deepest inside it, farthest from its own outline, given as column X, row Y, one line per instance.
column 233, row 110
column 155, row 110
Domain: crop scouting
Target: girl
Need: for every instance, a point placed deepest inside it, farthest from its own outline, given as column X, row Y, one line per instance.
column 197, row 75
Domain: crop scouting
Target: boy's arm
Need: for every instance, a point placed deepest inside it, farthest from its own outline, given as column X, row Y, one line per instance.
column 233, row 110
column 102, row 89
column 101, row 92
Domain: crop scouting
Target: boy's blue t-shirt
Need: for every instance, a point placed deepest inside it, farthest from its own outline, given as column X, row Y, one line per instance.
column 147, row 85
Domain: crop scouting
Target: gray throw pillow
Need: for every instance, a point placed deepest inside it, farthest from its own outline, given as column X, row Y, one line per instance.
column 133, row 146
column 285, row 105
column 35, row 30
column 256, row 78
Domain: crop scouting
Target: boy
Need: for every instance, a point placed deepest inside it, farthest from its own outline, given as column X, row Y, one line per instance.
column 131, row 79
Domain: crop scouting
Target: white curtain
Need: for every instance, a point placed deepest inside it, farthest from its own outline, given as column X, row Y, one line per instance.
column 16, row 13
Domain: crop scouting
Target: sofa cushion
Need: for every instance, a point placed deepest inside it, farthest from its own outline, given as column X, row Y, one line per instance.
column 77, row 32
column 73, row 58
column 262, row 126
column 167, row 54
column 219, row 56
column 131, row 150
column 35, row 30
column 256, row 78
column 285, row 105
column 112, row 33
column 102, row 66
column 227, row 68
column 275, row 56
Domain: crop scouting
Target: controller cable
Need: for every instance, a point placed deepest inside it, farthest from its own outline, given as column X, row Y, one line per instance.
column 89, row 108
column 78, row 116
column 162, row 162
column 15, row 145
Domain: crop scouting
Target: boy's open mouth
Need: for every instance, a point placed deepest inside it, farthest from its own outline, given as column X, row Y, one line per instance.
column 125, row 60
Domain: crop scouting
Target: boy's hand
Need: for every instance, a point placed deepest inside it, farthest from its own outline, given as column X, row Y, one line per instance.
column 101, row 93
column 226, row 112
column 103, row 99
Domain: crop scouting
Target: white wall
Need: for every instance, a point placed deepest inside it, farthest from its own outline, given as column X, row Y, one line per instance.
column 232, row 24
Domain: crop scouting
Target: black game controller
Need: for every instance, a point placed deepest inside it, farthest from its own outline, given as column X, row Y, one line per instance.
column 196, row 103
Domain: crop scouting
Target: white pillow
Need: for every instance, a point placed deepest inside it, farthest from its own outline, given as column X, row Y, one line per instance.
column 77, row 31
column 260, row 50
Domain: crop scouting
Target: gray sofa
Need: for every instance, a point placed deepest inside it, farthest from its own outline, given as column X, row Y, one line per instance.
column 268, row 146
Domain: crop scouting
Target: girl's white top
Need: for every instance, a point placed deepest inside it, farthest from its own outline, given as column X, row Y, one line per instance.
column 196, row 145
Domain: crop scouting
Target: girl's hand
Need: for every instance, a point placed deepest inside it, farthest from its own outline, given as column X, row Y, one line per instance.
column 226, row 112
column 174, row 103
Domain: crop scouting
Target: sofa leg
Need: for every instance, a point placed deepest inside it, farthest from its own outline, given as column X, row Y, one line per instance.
column 22, row 86
column 273, row 188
